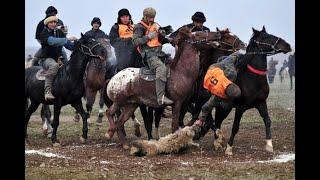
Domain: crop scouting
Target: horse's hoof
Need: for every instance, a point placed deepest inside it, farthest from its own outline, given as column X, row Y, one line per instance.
column 269, row 147
column 83, row 140
column 108, row 136
column 49, row 135
column 137, row 132
column 56, row 144
column 219, row 133
column 229, row 150
column 89, row 121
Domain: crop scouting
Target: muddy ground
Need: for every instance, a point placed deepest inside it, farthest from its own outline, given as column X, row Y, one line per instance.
column 104, row 159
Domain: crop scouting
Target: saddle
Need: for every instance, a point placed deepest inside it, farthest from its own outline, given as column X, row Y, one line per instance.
column 147, row 74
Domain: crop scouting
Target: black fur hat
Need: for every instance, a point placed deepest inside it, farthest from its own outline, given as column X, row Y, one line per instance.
column 198, row 17
column 97, row 20
column 51, row 10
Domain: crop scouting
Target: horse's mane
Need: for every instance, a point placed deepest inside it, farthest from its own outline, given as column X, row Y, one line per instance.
column 183, row 34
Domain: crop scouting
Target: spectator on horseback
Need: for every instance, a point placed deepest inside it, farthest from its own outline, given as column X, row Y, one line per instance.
column 219, row 81
column 96, row 32
column 52, row 41
column 29, row 58
column 146, row 36
column 198, row 19
column 121, row 40
column 51, row 11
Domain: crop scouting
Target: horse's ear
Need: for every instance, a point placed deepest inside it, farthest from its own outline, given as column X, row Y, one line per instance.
column 81, row 35
column 217, row 29
column 254, row 30
column 263, row 29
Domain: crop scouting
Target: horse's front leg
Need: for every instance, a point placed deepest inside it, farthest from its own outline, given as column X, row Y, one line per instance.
column 90, row 98
column 55, row 124
column 78, row 107
column 263, row 111
column 110, row 113
column 175, row 116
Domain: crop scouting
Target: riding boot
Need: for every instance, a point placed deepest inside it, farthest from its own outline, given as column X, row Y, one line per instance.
column 160, row 90
column 52, row 71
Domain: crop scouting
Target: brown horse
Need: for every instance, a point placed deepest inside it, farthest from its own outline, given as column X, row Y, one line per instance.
column 127, row 90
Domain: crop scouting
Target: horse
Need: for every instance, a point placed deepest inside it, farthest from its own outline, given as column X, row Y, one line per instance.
column 283, row 71
column 128, row 90
column 292, row 68
column 229, row 43
column 67, row 87
column 252, row 80
column 272, row 70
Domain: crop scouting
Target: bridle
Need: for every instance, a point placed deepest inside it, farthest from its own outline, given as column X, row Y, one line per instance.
column 273, row 46
column 90, row 50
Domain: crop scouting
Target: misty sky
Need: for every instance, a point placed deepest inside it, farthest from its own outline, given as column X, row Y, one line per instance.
column 240, row 16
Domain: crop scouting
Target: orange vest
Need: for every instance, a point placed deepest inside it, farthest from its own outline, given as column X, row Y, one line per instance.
column 153, row 28
column 125, row 31
column 216, row 82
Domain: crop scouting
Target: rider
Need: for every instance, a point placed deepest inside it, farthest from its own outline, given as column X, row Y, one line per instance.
column 52, row 41
column 198, row 19
column 121, row 39
column 51, row 11
column 96, row 32
column 145, row 36
column 219, row 80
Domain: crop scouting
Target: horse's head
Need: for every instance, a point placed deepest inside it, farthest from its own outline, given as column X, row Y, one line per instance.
column 107, row 45
column 91, row 47
column 229, row 41
column 263, row 43
column 199, row 39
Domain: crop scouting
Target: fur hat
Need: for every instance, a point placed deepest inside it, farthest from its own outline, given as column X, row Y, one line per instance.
column 96, row 20
column 50, row 19
column 123, row 12
column 51, row 10
column 149, row 12
column 198, row 17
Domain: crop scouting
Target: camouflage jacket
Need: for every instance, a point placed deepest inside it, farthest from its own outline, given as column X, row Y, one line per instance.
column 140, row 39
column 228, row 65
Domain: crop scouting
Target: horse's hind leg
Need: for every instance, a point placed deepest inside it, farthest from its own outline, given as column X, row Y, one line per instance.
column 126, row 113
column 101, row 103
column 90, row 98
column 220, row 115
column 78, row 106
column 31, row 109
column 46, row 120
column 157, row 117
column 263, row 111
column 110, row 113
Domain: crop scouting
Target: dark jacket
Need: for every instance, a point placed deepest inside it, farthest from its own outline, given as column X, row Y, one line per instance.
column 52, row 42
column 41, row 26
column 193, row 29
column 96, row 34
column 118, row 42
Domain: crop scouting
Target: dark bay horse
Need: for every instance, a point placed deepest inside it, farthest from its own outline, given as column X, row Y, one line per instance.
column 67, row 87
column 229, row 43
column 127, row 90
column 252, row 80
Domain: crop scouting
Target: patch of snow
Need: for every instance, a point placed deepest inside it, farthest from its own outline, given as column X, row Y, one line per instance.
column 46, row 154
column 283, row 158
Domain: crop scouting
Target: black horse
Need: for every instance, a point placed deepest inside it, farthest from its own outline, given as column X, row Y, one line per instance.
column 252, row 80
column 292, row 68
column 68, row 87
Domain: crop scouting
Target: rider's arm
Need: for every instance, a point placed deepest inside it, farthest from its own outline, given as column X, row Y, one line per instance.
column 138, row 35
column 69, row 45
column 207, row 108
column 114, row 36
column 54, row 41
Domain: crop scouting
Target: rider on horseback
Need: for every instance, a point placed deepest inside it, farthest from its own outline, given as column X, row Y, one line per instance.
column 219, row 80
column 121, row 40
column 146, row 37
column 198, row 19
column 96, row 32
column 51, row 11
column 52, row 41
